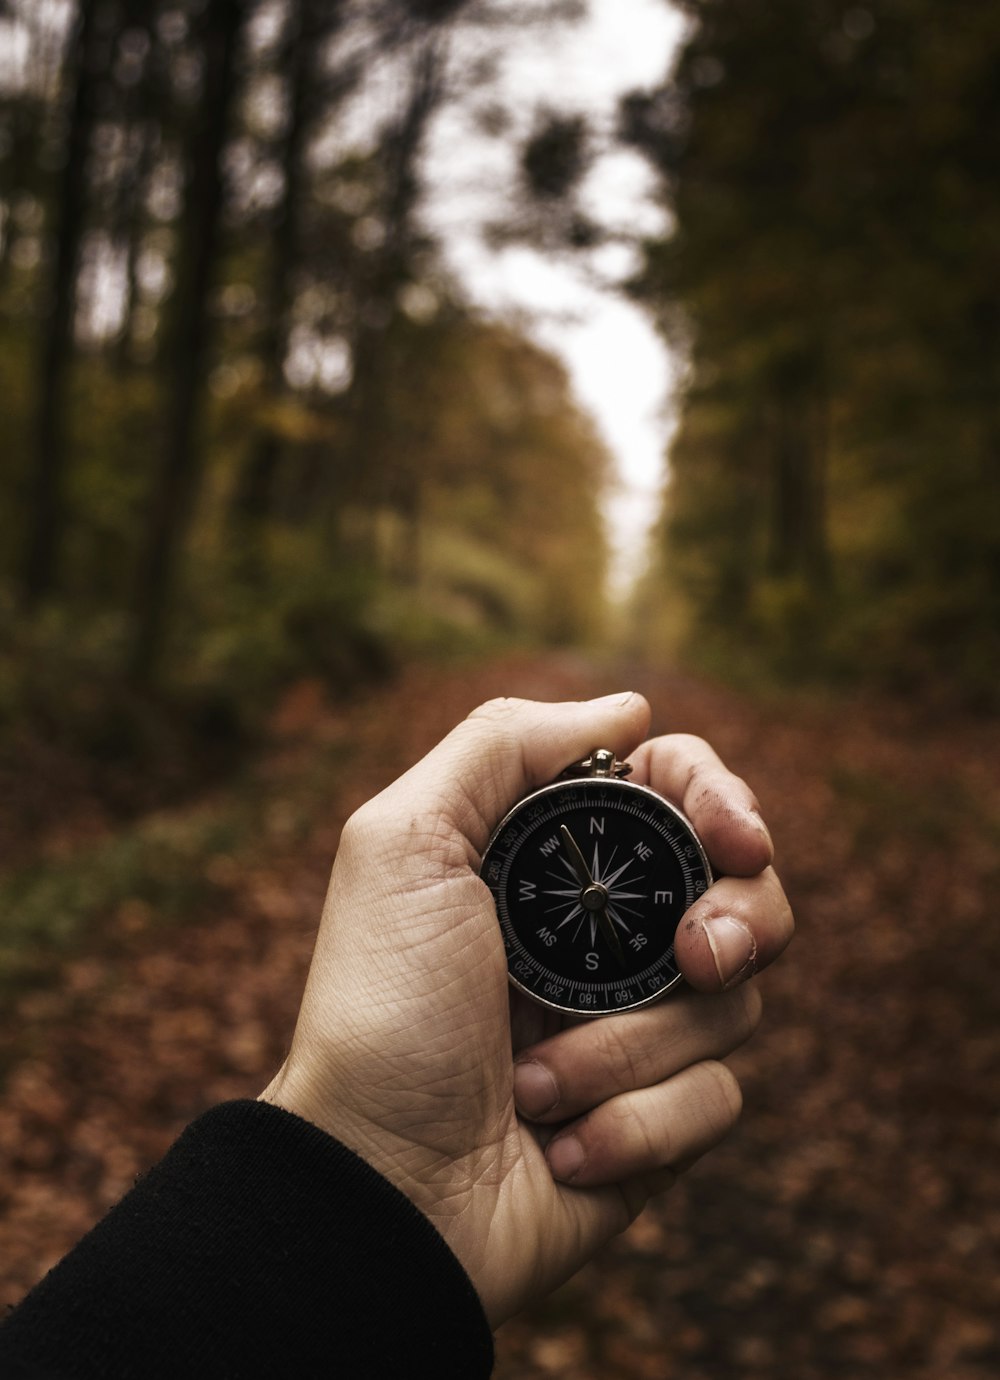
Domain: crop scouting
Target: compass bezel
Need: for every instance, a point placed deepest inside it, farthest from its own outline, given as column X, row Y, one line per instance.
column 524, row 819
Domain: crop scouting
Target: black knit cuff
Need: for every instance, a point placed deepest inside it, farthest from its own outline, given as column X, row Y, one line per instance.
column 258, row 1246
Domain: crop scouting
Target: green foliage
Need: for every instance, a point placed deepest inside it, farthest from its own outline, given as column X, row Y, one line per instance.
column 166, row 867
column 50, row 909
column 299, row 453
column 835, row 499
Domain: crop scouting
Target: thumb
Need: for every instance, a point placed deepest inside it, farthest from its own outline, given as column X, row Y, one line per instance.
column 506, row 748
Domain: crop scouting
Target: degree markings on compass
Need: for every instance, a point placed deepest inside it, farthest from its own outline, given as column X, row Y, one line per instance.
column 685, row 865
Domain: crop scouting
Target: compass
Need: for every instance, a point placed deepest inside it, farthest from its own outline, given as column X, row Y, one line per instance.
column 590, row 876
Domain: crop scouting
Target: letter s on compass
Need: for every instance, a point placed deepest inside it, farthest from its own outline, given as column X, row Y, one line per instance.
column 590, row 876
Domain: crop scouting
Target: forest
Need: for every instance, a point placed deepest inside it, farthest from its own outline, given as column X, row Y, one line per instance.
column 834, row 502
column 252, row 429
column 255, row 428
column 279, row 504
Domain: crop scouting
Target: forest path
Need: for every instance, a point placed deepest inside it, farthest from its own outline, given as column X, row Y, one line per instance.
column 850, row 1227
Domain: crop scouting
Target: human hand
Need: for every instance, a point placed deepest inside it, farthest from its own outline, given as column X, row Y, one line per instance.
column 408, row 1032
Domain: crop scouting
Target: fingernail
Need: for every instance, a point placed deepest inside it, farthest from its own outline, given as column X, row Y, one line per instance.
column 733, row 948
column 619, row 700
column 565, row 1156
column 535, row 1091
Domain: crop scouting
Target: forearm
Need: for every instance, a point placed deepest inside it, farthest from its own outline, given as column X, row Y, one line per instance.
column 257, row 1246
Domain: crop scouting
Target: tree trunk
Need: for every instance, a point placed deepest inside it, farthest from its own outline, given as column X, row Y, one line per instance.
column 253, row 495
column 139, row 113
column 176, row 486
column 46, row 516
column 373, row 364
column 797, row 545
column 131, row 227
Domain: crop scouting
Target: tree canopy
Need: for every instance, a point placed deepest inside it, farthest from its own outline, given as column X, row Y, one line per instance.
column 831, row 277
column 252, row 419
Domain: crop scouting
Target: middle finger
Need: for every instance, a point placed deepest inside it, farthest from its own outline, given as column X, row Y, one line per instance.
column 583, row 1066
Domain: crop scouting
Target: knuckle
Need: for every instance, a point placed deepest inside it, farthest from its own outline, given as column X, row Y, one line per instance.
column 778, row 903
column 654, row 1150
column 649, row 1149
column 418, row 841
column 635, row 1137
column 359, row 829
column 787, row 914
column 497, row 711
column 695, row 747
column 633, row 1195
column 702, row 790
column 628, row 1060
column 724, row 1097
column 375, row 829
column 494, row 733
column 739, row 786
column 753, row 804
column 752, row 1010
column 772, row 882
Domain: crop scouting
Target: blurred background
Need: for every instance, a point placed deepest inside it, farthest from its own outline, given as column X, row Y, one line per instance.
column 363, row 360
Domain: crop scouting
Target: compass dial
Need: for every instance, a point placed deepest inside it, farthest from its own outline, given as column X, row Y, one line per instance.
column 590, row 878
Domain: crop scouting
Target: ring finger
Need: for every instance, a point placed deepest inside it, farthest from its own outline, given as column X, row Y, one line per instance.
column 587, row 1064
column 643, row 1132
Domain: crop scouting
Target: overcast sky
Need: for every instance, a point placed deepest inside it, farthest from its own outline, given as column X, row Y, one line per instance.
column 619, row 368
column 618, row 365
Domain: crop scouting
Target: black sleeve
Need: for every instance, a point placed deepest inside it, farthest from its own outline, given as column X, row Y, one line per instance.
column 258, row 1246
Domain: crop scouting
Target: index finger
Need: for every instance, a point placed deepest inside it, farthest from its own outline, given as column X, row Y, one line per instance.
column 501, row 751
column 721, row 806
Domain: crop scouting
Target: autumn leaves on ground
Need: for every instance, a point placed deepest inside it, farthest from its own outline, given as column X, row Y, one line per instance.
column 850, row 1228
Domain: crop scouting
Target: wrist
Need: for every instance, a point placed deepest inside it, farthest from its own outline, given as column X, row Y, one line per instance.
column 456, row 1196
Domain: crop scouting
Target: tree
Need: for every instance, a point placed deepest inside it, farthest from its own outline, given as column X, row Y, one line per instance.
column 828, row 279
column 256, row 256
column 46, row 506
column 176, row 484
column 310, row 23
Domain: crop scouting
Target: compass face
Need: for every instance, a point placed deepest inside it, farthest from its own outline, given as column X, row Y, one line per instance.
column 590, row 878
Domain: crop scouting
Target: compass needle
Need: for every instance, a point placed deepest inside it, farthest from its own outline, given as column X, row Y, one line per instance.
column 576, row 858
column 610, row 880
column 580, row 933
column 604, row 916
column 616, row 917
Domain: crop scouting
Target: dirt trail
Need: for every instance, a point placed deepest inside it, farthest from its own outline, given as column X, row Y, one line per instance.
column 850, row 1228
